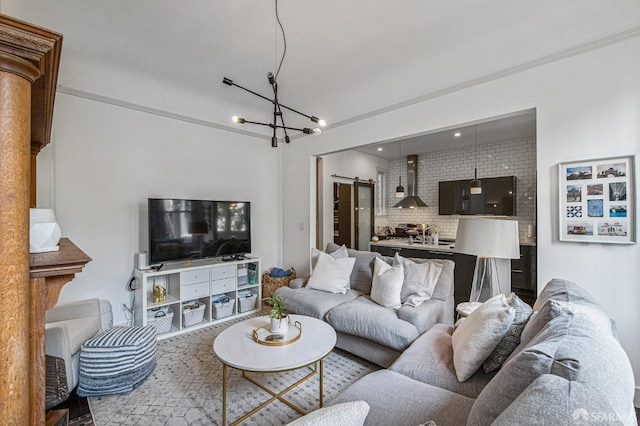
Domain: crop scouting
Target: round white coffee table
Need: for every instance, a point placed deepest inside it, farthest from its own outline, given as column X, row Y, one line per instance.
column 235, row 347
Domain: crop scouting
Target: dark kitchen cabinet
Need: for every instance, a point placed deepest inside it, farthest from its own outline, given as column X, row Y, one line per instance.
column 524, row 274
column 497, row 198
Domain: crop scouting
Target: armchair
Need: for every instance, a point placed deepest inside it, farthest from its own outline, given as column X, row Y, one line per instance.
column 67, row 327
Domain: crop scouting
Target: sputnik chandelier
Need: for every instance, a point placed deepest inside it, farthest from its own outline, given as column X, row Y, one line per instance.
column 278, row 118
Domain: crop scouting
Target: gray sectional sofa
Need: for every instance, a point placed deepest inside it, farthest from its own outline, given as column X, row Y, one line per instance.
column 364, row 328
column 568, row 369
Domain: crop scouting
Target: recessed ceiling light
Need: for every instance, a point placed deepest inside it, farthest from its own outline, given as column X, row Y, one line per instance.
column 380, row 149
column 457, row 134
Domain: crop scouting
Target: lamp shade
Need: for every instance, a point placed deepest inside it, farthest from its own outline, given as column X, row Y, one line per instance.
column 486, row 237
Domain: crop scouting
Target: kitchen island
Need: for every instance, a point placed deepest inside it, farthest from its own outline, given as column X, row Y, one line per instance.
column 465, row 264
column 521, row 279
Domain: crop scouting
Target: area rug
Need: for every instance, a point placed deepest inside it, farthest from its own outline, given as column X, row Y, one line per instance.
column 186, row 387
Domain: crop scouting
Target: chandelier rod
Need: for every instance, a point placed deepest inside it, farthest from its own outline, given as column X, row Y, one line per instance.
column 230, row 82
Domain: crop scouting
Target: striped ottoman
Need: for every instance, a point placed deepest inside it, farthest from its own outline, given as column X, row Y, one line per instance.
column 117, row 360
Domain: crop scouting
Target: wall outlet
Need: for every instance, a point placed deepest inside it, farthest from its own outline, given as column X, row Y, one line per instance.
column 301, row 226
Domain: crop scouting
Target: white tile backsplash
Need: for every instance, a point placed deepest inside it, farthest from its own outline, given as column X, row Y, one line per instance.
column 510, row 158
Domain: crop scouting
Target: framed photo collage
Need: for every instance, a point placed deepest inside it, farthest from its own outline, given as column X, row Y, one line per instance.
column 597, row 202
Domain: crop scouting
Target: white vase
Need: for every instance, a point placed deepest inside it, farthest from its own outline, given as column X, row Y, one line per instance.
column 434, row 235
column 279, row 326
column 44, row 231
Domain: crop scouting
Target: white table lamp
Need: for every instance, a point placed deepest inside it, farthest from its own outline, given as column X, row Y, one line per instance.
column 488, row 239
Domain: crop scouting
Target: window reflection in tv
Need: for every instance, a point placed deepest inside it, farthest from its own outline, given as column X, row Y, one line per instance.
column 195, row 229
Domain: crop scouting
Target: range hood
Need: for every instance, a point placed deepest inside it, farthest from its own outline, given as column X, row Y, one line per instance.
column 411, row 201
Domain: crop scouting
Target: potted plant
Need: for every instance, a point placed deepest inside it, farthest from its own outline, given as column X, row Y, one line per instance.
column 278, row 314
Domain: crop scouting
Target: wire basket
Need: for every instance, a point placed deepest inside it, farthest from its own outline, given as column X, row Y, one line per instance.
column 271, row 284
column 161, row 320
column 192, row 313
column 222, row 309
column 246, row 304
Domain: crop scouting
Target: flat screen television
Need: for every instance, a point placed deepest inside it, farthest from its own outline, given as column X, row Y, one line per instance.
column 197, row 229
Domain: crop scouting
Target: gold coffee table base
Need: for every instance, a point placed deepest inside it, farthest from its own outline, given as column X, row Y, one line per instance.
column 274, row 395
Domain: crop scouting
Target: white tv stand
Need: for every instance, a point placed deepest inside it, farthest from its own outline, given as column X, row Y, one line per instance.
column 201, row 280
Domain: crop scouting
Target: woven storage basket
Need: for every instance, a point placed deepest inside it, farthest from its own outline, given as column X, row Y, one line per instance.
column 270, row 284
column 161, row 321
column 194, row 315
column 222, row 310
column 246, row 304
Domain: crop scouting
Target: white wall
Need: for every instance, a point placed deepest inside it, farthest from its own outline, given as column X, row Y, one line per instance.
column 105, row 161
column 349, row 164
column 588, row 106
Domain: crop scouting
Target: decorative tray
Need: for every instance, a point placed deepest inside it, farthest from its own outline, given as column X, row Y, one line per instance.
column 265, row 337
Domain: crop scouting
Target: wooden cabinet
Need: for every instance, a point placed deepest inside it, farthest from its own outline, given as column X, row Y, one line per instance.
column 187, row 286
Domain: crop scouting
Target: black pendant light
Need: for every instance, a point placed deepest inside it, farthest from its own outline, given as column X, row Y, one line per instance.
column 476, row 184
column 400, row 188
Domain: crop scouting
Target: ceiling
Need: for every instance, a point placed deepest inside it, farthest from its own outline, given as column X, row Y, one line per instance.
column 518, row 125
column 344, row 61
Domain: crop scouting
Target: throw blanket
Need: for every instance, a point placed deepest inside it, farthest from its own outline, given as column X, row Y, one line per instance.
column 277, row 272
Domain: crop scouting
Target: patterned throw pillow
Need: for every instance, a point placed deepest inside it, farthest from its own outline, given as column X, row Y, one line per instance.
column 511, row 340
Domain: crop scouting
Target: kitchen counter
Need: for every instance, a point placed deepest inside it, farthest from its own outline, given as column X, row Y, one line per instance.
column 442, row 246
column 404, row 243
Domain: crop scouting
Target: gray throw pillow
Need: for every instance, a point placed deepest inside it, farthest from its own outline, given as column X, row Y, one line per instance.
column 511, row 339
column 539, row 319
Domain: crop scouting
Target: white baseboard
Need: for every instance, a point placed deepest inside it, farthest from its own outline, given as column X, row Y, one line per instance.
column 636, row 399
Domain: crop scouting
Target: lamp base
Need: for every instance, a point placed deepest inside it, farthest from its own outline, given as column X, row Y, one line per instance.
column 486, row 281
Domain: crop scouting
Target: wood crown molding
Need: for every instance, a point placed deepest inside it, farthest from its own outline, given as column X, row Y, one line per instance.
column 41, row 48
column 16, row 65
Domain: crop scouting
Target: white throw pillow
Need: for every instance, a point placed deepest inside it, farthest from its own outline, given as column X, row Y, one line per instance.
column 340, row 253
column 420, row 279
column 477, row 336
column 331, row 275
column 346, row 414
column 387, row 284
